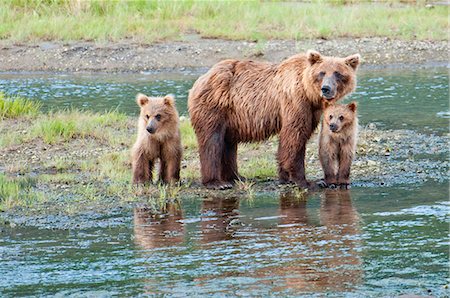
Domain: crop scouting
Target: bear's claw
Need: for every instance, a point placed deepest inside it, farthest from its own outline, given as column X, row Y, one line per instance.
column 219, row 185
column 322, row 184
column 332, row 186
column 344, row 186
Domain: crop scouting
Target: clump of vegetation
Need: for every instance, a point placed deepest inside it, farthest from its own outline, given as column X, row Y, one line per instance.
column 14, row 107
column 65, row 125
column 147, row 21
column 16, row 192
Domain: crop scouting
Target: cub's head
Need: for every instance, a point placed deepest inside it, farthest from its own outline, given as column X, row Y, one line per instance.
column 157, row 113
column 337, row 118
column 330, row 77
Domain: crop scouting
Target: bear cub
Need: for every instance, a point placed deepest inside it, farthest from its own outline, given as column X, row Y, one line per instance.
column 337, row 144
column 158, row 138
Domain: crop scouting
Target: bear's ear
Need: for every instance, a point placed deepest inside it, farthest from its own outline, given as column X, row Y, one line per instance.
column 352, row 106
column 313, row 56
column 169, row 100
column 353, row 61
column 141, row 99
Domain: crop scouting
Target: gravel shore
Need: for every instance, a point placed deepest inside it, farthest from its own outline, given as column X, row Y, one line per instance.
column 195, row 52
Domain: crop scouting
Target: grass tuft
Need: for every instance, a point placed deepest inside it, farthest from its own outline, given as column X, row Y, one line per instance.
column 188, row 138
column 13, row 107
column 15, row 192
column 53, row 130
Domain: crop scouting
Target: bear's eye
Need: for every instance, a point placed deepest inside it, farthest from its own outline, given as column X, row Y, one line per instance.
column 321, row 74
column 331, row 117
column 340, row 77
column 158, row 117
column 147, row 117
column 341, row 118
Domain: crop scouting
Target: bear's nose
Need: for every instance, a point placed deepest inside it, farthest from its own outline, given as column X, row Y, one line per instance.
column 150, row 129
column 333, row 127
column 326, row 89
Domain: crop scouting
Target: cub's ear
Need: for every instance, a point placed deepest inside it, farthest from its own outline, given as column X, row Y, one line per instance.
column 313, row 56
column 352, row 106
column 353, row 61
column 141, row 99
column 169, row 100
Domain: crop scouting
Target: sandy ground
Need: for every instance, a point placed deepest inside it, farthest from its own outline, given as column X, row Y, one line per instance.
column 194, row 52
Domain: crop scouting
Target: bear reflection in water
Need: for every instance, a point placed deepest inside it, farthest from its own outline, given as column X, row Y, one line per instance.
column 159, row 230
column 324, row 249
column 220, row 218
column 312, row 249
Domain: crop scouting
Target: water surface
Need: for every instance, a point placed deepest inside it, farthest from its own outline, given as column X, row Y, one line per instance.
column 406, row 98
column 354, row 243
column 367, row 242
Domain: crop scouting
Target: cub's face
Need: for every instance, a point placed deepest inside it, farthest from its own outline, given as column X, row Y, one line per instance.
column 339, row 117
column 156, row 111
column 332, row 77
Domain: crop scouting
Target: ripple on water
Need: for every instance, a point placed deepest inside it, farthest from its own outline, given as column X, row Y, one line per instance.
column 441, row 210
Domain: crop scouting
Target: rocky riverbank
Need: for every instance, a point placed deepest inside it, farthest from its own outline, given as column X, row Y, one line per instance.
column 195, row 52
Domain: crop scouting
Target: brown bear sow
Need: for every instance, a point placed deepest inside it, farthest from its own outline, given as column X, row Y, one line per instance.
column 158, row 137
column 244, row 101
column 337, row 144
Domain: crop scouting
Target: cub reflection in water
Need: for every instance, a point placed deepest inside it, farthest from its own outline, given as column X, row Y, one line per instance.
column 220, row 217
column 159, row 230
column 325, row 253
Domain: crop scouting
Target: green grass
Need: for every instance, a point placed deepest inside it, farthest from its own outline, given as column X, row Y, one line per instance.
column 65, row 125
column 149, row 21
column 16, row 192
column 14, row 107
column 188, row 138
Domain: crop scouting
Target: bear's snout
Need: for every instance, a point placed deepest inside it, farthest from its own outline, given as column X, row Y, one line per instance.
column 328, row 88
column 150, row 129
column 333, row 127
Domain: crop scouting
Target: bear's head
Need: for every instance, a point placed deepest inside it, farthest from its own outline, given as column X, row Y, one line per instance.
column 158, row 114
column 337, row 118
column 331, row 78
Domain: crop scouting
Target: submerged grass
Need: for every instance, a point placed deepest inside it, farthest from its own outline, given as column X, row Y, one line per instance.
column 148, row 21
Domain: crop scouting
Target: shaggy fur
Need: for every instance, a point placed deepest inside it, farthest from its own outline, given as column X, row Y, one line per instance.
column 244, row 101
column 337, row 144
column 158, row 137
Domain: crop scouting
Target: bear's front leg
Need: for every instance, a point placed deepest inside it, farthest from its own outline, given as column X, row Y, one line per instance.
column 170, row 166
column 142, row 168
column 345, row 163
column 291, row 158
column 328, row 160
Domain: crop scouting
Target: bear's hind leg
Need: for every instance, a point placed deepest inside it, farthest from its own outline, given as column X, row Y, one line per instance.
column 211, row 149
column 229, row 163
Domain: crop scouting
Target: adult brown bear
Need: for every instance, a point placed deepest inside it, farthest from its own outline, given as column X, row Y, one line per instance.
column 244, row 101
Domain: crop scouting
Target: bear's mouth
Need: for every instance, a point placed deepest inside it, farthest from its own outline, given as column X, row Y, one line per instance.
column 329, row 98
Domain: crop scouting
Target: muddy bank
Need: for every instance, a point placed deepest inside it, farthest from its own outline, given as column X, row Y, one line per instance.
column 85, row 182
column 195, row 52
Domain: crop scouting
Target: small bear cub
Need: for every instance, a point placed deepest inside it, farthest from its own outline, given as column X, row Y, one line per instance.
column 337, row 144
column 158, row 137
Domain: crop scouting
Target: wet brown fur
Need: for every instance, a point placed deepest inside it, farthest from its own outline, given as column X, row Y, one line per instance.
column 164, row 143
column 244, row 101
column 337, row 149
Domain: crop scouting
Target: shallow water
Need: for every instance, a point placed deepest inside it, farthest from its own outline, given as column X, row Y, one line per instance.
column 366, row 242
column 363, row 242
column 407, row 98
